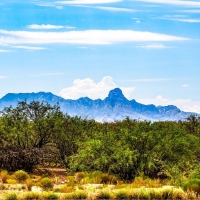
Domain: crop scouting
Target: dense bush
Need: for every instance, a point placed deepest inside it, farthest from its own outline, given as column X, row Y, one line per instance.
column 12, row 196
column 192, row 185
column 50, row 196
column 46, row 183
column 104, row 195
column 38, row 133
column 21, row 176
column 32, row 196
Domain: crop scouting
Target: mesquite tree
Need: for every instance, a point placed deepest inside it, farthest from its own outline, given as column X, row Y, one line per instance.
column 26, row 132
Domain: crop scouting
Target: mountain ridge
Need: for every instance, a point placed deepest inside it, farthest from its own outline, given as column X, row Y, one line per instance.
column 114, row 107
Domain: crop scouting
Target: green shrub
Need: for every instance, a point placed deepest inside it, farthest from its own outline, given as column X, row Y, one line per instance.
column 50, row 196
column 192, row 185
column 12, row 196
column 21, row 175
column 32, row 196
column 96, row 176
column 108, row 179
column 11, row 181
column 104, row 195
column 79, row 195
column 97, row 173
column 46, row 183
column 79, row 176
column 66, row 189
column 68, row 196
column 70, row 179
column 150, row 183
column 122, row 194
column 155, row 194
column 76, row 195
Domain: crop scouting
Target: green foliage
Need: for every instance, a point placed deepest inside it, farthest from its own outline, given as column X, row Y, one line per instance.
column 66, row 189
column 11, row 181
column 46, row 183
column 76, row 195
column 21, row 176
column 37, row 133
column 32, row 196
column 104, row 195
column 122, row 194
column 50, row 196
column 192, row 185
column 79, row 195
column 12, row 196
column 145, row 182
column 195, row 171
column 79, row 176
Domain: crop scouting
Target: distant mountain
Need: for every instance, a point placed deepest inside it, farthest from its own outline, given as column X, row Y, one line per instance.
column 114, row 107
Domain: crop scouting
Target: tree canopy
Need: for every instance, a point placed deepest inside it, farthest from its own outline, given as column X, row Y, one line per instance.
column 38, row 133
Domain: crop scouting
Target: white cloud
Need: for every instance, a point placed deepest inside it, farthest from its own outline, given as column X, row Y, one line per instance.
column 191, row 11
column 29, row 48
column 185, row 86
column 88, row 88
column 44, row 26
column 79, row 2
column 47, row 4
column 188, row 20
column 186, row 105
column 175, row 2
column 4, row 51
column 114, row 9
column 83, row 37
column 183, row 20
column 153, row 46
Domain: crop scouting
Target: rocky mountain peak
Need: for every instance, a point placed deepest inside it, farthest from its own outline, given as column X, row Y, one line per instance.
column 116, row 94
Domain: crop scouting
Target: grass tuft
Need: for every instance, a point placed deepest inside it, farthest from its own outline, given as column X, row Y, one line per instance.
column 12, row 196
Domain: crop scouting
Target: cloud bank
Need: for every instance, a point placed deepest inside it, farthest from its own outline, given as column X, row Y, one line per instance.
column 83, row 37
column 88, row 88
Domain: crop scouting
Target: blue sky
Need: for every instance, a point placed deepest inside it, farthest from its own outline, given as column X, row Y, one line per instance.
column 148, row 48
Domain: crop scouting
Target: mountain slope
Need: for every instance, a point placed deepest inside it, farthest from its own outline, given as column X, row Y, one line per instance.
column 114, row 107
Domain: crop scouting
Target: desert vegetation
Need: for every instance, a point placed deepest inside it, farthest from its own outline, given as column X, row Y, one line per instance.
column 88, row 185
column 129, row 159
